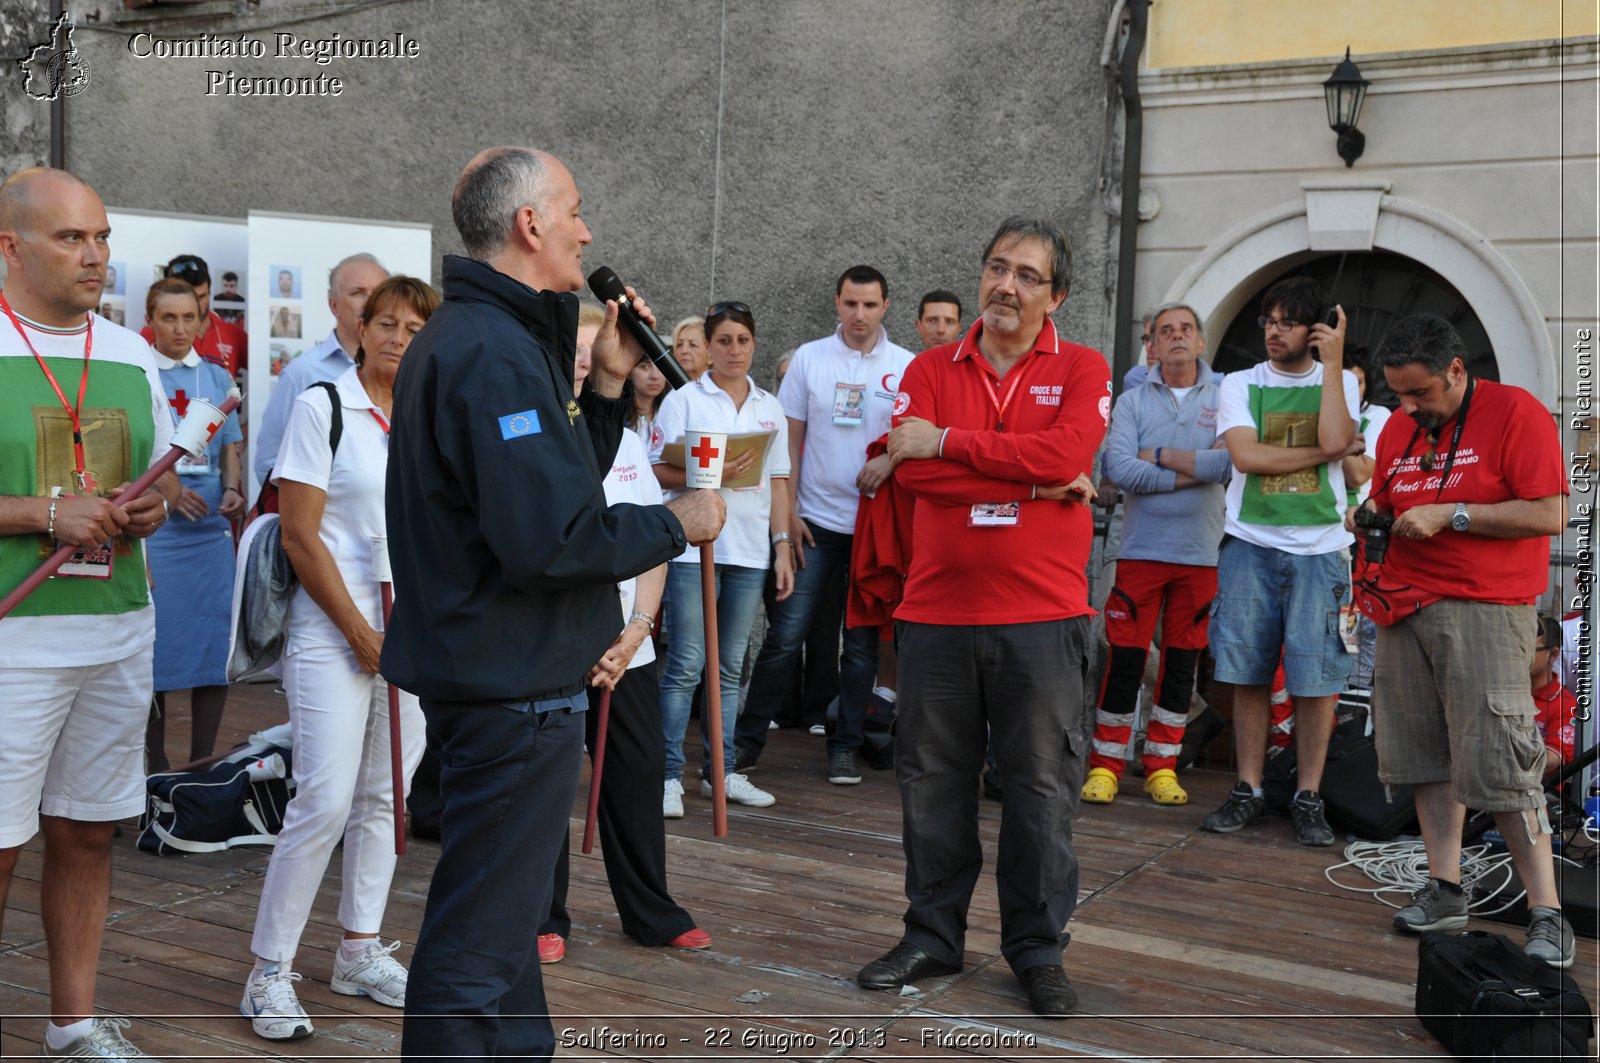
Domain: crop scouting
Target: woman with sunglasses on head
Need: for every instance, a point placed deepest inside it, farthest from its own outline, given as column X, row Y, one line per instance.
column 724, row 399
column 632, row 838
column 191, row 557
column 331, row 509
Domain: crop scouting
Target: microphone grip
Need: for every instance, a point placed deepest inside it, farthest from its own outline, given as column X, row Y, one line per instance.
column 653, row 347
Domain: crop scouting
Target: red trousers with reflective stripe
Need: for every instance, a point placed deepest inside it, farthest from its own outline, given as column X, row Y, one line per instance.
column 1180, row 596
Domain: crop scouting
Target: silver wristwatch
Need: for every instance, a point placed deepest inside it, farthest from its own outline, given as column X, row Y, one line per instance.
column 1459, row 520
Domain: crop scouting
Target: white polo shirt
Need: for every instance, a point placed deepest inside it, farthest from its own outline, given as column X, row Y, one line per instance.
column 630, row 480
column 818, row 390
column 353, row 478
column 746, row 538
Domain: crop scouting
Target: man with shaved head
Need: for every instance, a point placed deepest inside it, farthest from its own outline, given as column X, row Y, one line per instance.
column 82, row 413
column 506, row 560
column 349, row 283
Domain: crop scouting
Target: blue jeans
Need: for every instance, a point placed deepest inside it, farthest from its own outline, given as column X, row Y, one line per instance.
column 507, row 773
column 826, row 563
column 738, row 598
column 1270, row 600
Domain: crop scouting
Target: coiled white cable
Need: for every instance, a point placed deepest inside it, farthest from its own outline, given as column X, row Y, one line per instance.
column 1401, row 867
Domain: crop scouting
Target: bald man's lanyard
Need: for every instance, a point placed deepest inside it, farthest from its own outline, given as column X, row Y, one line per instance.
column 85, row 483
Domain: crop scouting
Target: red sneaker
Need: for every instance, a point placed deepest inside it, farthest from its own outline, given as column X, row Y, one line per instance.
column 553, row 948
column 691, row 939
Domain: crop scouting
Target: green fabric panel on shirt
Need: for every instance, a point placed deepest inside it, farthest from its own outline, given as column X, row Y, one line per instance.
column 118, row 437
column 1287, row 417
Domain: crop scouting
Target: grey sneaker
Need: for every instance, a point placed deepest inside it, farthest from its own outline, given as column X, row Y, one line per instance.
column 103, row 1041
column 1310, row 817
column 272, row 1007
column 1242, row 809
column 842, row 770
column 376, row 974
column 1550, row 937
column 1433, row 908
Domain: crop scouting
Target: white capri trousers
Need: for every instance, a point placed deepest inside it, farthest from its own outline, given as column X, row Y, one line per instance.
column 339, row 716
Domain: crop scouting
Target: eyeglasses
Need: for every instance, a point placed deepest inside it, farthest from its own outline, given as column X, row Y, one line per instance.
column 1273, row 324
column 718, row 309
column 1027, row 279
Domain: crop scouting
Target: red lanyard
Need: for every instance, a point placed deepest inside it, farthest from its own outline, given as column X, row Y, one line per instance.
column 383, row 422
column 1000, row 406
column 83, row 386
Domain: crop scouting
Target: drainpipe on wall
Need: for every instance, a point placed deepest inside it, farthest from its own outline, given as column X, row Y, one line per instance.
column 1128, row 232
column 58, row 107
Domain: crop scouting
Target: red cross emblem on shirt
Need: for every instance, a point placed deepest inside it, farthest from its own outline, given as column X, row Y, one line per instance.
column 180, row 402
column 704, row 452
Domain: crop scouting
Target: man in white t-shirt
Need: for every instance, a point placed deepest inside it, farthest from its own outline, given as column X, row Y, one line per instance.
column 838, row 397
column 75, row 655
column 1283, row 573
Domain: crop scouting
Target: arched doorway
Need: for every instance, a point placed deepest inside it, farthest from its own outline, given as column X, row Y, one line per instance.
column 1375, row 288
column 1360, row 219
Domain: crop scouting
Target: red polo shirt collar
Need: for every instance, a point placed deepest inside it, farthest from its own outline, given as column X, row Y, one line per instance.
column 1047, row 342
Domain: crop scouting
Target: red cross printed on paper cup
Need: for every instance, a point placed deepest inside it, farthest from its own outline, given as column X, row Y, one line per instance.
column 200, row 422
column 703, row 456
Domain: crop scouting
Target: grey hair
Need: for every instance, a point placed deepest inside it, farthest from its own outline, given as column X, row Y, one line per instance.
column 1018, row 227
column 1155, row 315
column 1422, row 339
column 350, row 260
column 496, row 184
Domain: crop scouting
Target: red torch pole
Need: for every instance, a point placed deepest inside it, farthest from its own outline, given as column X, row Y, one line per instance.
column 134, row 490
column 599, row 758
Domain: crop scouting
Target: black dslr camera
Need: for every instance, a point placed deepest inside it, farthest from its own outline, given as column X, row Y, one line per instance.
column 1376, row 524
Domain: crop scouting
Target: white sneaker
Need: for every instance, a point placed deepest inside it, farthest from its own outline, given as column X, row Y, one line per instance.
column 103, row 1041
column 740, row 790
column 672, row 799
column 375, row 973
column 272, row 1007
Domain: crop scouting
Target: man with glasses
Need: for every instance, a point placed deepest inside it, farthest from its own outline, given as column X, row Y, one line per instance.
column 828, row 437
column 993, row 630
column 218, row 341
column 1283, row 571
column 1473, row 474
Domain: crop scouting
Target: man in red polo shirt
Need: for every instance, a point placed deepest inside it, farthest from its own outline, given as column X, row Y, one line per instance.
column 994, row 626
column 1473, row 474
column 219, row 341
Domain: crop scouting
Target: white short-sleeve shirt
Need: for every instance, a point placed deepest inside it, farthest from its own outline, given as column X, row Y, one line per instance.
column 630, row 480
column 703, row 406
column 818, row 390
column 353, row 478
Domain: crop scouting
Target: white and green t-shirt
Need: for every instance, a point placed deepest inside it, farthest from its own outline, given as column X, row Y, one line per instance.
column 1298, row 512
column 73, row 622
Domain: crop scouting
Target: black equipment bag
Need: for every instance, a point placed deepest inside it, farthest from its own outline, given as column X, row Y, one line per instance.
column 1484, row 998
column 238, row 801
column 1350, row 788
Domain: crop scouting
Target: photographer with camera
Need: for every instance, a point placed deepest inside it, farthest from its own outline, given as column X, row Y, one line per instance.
column 1467, row 505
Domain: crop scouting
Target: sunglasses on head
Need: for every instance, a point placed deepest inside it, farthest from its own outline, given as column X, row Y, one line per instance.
column 187, row 264
column 718, row 309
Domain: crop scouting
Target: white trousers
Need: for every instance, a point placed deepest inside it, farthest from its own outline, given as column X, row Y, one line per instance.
column 343, row 787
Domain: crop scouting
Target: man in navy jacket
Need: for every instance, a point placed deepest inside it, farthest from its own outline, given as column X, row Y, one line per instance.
column 505, row 560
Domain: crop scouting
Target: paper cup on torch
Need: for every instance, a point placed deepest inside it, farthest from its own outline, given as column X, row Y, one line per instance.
column 380, row 560
column 199, row 424
column 703, row 455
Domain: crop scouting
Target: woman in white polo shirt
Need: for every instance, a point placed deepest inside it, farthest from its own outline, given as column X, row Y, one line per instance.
column 724, row 399
column 331, row 505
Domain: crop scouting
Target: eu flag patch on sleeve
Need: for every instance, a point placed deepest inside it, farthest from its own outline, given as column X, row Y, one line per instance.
column 515, row 425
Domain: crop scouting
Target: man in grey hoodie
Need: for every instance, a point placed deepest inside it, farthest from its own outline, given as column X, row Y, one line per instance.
column 1161, row 452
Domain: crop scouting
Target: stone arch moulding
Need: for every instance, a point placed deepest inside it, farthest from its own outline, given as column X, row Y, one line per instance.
column 1235, row 266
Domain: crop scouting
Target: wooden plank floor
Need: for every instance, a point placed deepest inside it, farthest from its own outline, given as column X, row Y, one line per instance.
column 1185, row 945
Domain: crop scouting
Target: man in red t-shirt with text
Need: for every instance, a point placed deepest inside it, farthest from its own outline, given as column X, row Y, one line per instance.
column 994, row 627
column 1473, row 474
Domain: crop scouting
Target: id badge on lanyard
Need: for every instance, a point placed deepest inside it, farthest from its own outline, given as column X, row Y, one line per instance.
column 86, row 563
column 997, row 514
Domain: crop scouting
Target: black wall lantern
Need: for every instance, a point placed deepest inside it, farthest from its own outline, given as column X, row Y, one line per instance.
column 1346, row 90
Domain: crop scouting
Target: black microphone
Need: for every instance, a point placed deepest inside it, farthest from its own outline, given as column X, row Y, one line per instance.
column 606, row 285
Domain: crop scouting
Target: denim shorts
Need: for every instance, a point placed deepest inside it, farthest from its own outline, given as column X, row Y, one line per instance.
column 1270, row 601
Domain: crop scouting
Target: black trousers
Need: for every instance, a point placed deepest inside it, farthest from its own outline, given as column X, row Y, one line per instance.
column 633, row 838
column 1026, row 684
column 507, row 773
